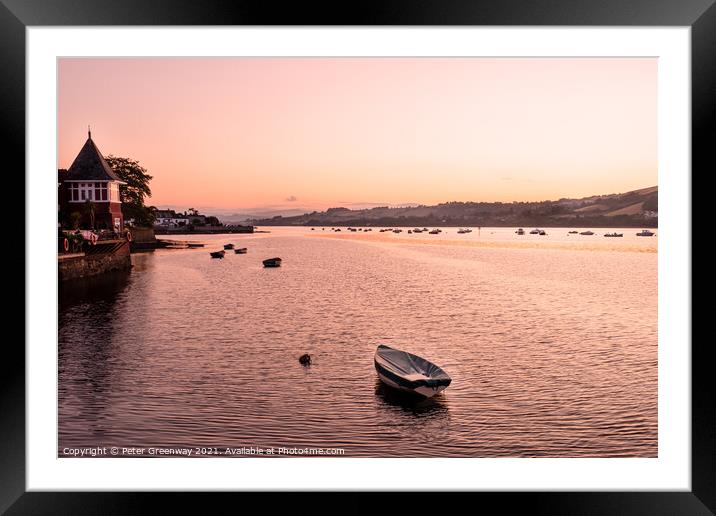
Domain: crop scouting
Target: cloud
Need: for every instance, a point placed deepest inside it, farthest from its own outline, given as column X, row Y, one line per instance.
column 291, row 198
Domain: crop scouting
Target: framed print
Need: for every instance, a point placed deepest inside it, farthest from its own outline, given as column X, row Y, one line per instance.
column 444, row 248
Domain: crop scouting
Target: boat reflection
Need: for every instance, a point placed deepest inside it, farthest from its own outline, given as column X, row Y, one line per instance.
column 410, row 403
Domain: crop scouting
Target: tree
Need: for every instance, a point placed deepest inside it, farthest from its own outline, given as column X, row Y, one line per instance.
column 212, row 221
column 89, row 210
column 75, row 218
column 132, row 193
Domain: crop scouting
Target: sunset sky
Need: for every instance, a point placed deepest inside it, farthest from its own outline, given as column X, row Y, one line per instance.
column 247, row 133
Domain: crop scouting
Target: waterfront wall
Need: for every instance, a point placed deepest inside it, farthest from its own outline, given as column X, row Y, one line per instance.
column 143, row 239
column 143, row 235
column 103, row 258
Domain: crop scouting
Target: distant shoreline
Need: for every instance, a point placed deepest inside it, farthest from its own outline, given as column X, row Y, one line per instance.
column 637, row 208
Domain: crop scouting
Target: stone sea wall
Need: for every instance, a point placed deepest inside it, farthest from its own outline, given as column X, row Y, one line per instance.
column 114, row 258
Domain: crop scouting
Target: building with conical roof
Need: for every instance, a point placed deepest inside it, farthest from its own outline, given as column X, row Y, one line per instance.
column 90, row 178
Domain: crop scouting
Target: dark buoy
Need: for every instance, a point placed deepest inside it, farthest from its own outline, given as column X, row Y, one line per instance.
column 305, row 359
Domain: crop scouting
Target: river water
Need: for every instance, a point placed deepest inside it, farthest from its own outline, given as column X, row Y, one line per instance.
column 551, row 342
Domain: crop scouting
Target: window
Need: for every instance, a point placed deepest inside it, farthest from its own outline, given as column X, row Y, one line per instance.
column 100, row 191
column 81, row 192
column 74, row 192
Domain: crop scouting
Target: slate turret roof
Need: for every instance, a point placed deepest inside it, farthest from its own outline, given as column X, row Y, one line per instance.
column 90, row 165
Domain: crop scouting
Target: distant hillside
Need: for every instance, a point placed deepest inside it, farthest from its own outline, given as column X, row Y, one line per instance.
column 638, row 208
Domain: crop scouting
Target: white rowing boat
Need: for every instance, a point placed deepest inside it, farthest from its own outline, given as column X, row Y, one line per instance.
column 409, row 373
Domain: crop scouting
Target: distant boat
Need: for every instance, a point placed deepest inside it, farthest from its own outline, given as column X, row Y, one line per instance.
column 410, row 232
column 241, row 250
column 313, row 229
column 462, row 231
column 645, row 232
column 272, row 262
column 217, row 254
column 434, row 231
column 572, row 232
column 228, row 246
column 409, row 373
column 587, row 233
column 520, row 231
column 397, row 231
column 614, row 234
column 338, row 229
column 534, row 232
column 542, row 232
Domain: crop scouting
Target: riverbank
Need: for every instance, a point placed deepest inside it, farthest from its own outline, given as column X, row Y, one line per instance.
column 204, row 230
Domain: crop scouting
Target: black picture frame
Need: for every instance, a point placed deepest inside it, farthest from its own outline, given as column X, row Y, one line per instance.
column 16, row 15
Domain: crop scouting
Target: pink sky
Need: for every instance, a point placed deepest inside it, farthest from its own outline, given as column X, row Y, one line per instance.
column 246, row 133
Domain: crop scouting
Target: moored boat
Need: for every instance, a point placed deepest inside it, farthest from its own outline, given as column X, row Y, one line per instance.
column 572, row 232
column 217, row 254
column 409, row 373
column 645, row 232
column 615, row 234
column 228, row 246
column 588, row 233
column 534, row 232
column 520, row 231
column 542, row 232
column 241, row 250
column 272, row 262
